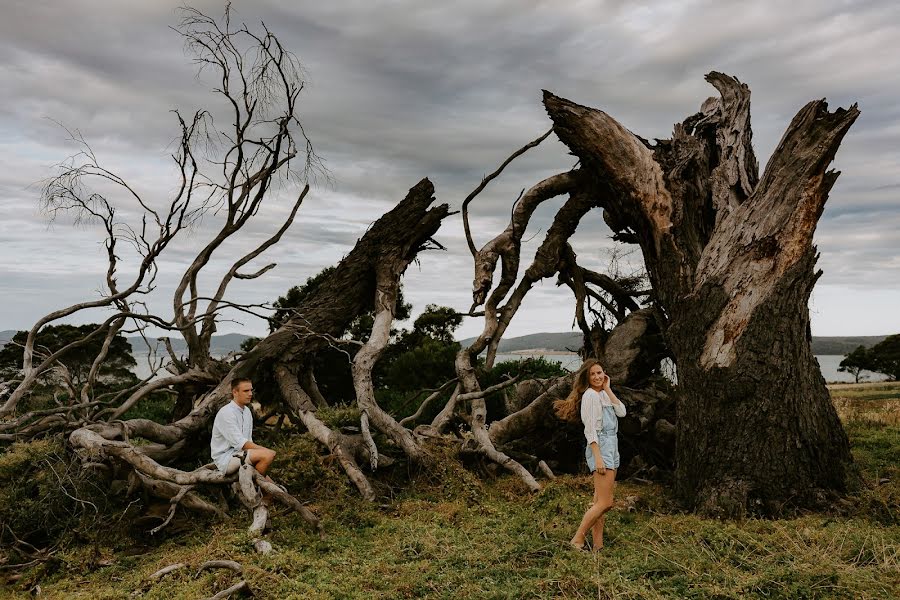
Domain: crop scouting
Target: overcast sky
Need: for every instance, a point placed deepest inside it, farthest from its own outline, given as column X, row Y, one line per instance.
column 399, row 91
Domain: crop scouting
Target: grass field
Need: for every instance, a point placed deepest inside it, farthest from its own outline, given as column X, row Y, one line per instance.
column 453, row 535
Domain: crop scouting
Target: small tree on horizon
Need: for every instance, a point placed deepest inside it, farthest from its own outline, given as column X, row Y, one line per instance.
column 856, row 362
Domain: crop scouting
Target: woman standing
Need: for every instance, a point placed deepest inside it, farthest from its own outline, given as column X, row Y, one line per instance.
column 600, row 409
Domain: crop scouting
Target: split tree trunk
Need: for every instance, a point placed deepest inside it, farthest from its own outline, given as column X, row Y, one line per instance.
column 731, row 262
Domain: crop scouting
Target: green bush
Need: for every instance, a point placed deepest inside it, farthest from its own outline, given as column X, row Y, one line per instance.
column 303, row 471
column 427, row 364
column 531, row 368
column 339, row 416
column 156, row 407
column 45, row 496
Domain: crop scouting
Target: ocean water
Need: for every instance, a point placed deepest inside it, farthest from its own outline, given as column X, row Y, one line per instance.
column 828, row 363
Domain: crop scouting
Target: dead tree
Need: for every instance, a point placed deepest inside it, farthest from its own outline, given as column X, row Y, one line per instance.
column 728, row 256
column 391, row 243
column 232, row 174
column 730, row 262
column 260, row 82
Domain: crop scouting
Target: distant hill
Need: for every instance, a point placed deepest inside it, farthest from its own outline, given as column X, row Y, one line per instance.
column 219, row 345
column 843, row 345
column 571, row 340
column 567, row 340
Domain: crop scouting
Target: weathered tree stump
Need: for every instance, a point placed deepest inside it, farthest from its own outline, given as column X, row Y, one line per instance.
column 731, row 262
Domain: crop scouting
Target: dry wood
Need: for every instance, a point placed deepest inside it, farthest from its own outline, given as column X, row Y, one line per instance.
column 239, row 587
column 523, row 421
column 546, row 470
column 435, row 394
column 220, row 564
column 167, row 490
column 189, row 376
column 285, row 498
column 166, row 571
column 367, row 437
column 387, row 289
column 174, row 504
column 442, row 420
column 311, row 387
column 302, row 406
column 486, row 180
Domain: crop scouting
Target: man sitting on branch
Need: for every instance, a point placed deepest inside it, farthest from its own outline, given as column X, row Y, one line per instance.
column 232, row 433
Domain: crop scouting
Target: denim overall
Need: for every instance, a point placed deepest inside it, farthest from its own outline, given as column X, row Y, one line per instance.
column 607, row 440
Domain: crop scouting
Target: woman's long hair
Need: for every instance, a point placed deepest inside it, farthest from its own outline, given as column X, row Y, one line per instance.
column 570, row 408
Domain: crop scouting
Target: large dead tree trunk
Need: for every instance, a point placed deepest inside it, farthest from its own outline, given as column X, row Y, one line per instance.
column 731, row 262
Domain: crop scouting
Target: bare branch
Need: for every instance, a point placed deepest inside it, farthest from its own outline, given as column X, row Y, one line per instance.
column 241, row 586
column 486, row 391
column 174, row 504
column 259, row 273
column 192, row 375
column 487, row 180
column 436, row 393
column 367, row 438
column 297, row 399
column 209, row 323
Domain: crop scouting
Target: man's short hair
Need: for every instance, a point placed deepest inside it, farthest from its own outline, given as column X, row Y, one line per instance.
column 238, row 381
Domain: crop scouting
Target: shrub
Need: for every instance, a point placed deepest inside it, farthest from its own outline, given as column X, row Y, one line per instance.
column 45, row 496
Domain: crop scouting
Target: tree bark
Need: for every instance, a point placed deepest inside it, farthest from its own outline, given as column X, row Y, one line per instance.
column 731, row 262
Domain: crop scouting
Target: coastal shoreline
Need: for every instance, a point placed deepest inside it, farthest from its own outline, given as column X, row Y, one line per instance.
column 541, row 351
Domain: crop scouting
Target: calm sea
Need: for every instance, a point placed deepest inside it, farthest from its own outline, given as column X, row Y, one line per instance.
column 828, row 363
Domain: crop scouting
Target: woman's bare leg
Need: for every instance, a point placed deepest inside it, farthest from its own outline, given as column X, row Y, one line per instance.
column 597, row 533
column 606, row 493
column 603, row 501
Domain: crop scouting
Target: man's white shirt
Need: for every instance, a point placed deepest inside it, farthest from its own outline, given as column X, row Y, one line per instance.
column 232, row 429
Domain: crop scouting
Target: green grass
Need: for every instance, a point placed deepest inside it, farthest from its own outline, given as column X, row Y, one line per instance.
column 886, row 390
column 449, row 534
column 507, row 545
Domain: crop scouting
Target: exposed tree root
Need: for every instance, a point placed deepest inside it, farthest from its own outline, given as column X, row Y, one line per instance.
column 220, row 564
column 240, row 587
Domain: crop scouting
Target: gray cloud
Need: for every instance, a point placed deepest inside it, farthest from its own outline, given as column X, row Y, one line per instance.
column 402, row 90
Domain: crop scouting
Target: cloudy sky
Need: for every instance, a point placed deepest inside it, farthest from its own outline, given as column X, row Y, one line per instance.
column 402, row 90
